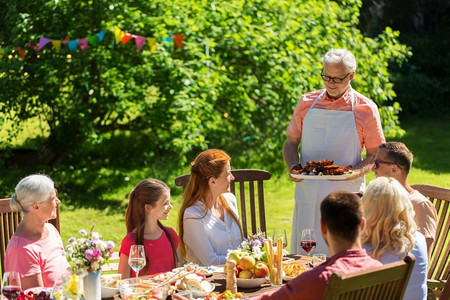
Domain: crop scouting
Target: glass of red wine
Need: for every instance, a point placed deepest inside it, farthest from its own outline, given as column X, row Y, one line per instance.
column 308, row 241
column 11, row 287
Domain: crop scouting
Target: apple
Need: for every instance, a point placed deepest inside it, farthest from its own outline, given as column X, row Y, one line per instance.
column 238, row 270
column 236, row 255
column 247, row 263
column 245, row 274
column 261, row 270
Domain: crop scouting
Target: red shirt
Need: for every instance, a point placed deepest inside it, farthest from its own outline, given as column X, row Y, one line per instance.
column 367, row 117
column 158, row 252
column 312, row 284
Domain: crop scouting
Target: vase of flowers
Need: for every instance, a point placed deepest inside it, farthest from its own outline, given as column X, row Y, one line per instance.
column 86, row 255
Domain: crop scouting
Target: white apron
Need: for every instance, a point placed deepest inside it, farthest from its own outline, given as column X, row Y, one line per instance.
column 332, row 135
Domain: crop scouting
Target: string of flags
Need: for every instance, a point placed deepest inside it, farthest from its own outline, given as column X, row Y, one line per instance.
column 120, row 37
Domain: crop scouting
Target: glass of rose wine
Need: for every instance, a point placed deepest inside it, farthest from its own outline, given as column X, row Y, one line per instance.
column 308, row 241
column 11, row 287
column 136, row 260
column 279, row 233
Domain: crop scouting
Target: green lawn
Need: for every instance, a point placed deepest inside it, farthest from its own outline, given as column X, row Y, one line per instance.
column 428, row 139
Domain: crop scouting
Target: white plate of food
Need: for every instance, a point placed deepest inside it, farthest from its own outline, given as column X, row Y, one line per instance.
column 250, row 283
column 322, row 177
column 292, row 270
column 195, row 284
column 110, row 284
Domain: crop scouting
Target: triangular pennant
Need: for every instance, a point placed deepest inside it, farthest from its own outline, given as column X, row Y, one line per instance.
column 118, row 34
column 152, row 44
column 83, row 43
column 42, row 42
column 66, row 40
column 168, row 39
column 72, row 44
column 101, row 35
column 93, row 40
column 21, row 53
column 126, row 38
column 178, row 39
column 139, row 40
column 56, row 44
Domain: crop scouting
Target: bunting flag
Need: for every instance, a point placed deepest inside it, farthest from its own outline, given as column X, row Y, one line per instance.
column 21, row 53
column 120, row 37
column 42, row 42
column 56, row 44
column 83, row 43
column 126, row 37
column 152, row 44
column 140, row 41
column 178, row 39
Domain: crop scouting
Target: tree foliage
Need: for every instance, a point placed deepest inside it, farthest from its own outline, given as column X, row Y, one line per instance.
column 234, row 85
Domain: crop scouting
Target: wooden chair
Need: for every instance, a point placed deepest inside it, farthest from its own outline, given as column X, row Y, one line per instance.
column 9, row 221
column 243, row 176
column 439, row 263
column 385, row 282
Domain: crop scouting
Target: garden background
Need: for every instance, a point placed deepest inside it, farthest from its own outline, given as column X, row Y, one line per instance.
column 102, row 94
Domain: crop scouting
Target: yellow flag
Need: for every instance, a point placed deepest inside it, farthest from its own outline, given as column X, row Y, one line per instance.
column 152, row 43
column 118, row 34
column 56, row 44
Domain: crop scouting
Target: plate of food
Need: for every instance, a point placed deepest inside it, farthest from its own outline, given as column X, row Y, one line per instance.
column 196, row 284
column 292, row 270
column 251, row 282
column 110, row 284
column 321, row 170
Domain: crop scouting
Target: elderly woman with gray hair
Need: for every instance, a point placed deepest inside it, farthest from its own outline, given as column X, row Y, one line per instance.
column 36, row 249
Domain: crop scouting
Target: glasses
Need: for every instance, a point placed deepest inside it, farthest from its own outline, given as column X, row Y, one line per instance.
column 334, row 79
column 377, row 163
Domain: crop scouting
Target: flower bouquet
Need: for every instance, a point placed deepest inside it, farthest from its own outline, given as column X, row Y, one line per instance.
column 89, row 252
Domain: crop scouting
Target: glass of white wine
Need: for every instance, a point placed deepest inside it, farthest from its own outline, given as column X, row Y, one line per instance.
column 136, row 260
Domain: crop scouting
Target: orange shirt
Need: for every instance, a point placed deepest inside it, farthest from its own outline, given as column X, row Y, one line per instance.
column 367, row 117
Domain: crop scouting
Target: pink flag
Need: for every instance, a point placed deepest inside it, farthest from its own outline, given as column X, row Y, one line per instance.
column 42, row 42
column 140, row 41
column 83, row 43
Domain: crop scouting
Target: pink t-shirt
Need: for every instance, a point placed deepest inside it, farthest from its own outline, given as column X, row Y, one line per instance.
column 43, row 257
column 367, row 117
column 158, row 252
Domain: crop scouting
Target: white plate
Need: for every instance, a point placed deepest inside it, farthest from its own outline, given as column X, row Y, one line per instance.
column 198, row 294
column 287, row 278
column 321, row 177
column 250, row 283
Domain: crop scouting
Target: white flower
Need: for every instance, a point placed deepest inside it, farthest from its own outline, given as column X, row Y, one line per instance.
column 82, row 232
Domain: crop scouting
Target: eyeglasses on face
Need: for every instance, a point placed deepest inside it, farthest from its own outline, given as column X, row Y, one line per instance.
column 334, row 79
column 377, row 163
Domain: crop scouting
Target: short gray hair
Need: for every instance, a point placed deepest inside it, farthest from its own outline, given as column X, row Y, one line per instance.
column 335, row 56
column 31, row 189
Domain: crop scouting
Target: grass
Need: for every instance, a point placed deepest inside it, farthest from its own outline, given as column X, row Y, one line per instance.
column 96, row 193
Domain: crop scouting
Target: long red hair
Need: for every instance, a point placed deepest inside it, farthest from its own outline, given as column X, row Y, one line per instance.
column 208, row 164
column 148, row 191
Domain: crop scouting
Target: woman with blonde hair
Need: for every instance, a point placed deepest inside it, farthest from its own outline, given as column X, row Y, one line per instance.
column 390, row 232
column 35, row 250
column 208, row 219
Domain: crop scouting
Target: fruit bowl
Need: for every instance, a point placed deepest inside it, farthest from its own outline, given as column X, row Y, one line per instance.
column 250, row 283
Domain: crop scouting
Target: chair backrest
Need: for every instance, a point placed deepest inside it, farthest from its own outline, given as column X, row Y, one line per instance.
column 386, row 282
column 245, row 177
column 9, row 221
column 439, row 264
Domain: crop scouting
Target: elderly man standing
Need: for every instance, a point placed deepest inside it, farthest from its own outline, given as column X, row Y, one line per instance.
column 335, row 123
column 394, row 159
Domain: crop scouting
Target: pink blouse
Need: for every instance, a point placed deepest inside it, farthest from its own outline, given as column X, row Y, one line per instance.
column 158, row 252
column 43, row 257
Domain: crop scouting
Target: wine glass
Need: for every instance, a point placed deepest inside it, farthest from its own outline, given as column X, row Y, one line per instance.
column 279, row 233
column 308, row 241
column 136, row 260
column 11, row 285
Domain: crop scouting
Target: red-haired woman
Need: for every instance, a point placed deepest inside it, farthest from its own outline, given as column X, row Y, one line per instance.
column 208, row 219
column 149, row 202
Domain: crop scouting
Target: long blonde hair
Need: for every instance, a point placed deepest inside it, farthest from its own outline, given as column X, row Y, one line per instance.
column 209, row 163
column 389, row 217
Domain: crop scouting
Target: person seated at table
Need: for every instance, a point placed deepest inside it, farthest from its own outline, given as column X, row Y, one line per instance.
column 208, row 218
column 340, row 224
column 394, row 159
column 36, row 250
column 390, row 232
column 149, row 202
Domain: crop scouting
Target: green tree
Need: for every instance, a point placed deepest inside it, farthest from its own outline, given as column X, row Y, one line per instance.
column 234, row 85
